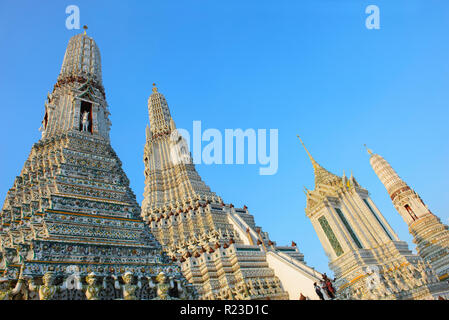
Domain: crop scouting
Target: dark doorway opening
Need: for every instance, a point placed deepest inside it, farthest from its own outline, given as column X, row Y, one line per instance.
column 45, row 120
column 410, row 212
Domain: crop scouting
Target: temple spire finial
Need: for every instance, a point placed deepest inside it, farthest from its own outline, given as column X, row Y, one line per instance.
column 321, row 174
column 308, row 153
column 306, row 191
column 154, row 87
column 368, row 150
column 85, row 29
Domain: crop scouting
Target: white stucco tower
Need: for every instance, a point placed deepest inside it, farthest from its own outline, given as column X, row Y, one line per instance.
column 430, row 235
column 219, row 247
column 78, row 93
column 368, row 259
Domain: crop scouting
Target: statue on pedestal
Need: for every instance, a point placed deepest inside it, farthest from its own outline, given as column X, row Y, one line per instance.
column 6, row 292
column 163, row 287
column 240, row 291
column 92, row 289
column 128, row 289
column 85, row 121
column 48, row 290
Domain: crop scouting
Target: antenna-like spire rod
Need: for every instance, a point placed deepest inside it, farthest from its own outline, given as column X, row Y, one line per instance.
column 367, row 149
column 306, row 191
column 310, row 156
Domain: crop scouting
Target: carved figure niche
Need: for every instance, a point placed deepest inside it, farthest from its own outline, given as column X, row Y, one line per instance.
column 86, row 116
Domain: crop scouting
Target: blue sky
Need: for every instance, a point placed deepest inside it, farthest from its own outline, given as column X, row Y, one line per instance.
column 302, row 67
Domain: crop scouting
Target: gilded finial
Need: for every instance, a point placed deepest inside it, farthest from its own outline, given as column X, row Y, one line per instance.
column 85, row 29
column 367, row 149
column 154, row 87
column 306, row 191
column 310, row 156
column 321, row 174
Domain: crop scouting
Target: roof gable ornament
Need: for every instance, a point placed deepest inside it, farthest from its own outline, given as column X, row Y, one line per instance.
column 322, row 176
column 87, row 92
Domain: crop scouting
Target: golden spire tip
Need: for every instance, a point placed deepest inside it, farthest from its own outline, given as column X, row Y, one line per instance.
column 85, row 29
column 367, row 149
column 306, row 191
column 308, row 153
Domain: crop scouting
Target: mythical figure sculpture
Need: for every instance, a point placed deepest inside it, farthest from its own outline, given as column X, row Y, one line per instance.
column 42, row 129
column 10, row 255
column 252, row 287
column 48, row 290
column 163, row 287
column 128, row 289
column 6, row 292
column 415, row 275
column 85, row 121
column 241, row 291
column 372, row 279
column 225, row 294
column 92, row 289
column 398, row 278
column 271, row 286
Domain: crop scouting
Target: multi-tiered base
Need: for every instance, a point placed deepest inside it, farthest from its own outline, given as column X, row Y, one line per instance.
column 388, row 272
column 71, row 213
column 432, row 242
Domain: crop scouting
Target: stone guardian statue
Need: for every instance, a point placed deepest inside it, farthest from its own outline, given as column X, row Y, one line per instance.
column 128, row 289
column 48, row 290
column 85, row 121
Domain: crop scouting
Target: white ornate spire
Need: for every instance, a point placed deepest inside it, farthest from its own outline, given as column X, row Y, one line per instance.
column 393, row 183
column 192, row 223
column 159, row 113
column 82, row 59
column 430, row 235
column 77, row 102
column 167, row 150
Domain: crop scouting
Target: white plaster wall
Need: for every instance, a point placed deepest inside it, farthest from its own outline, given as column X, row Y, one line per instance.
column 294, row 280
